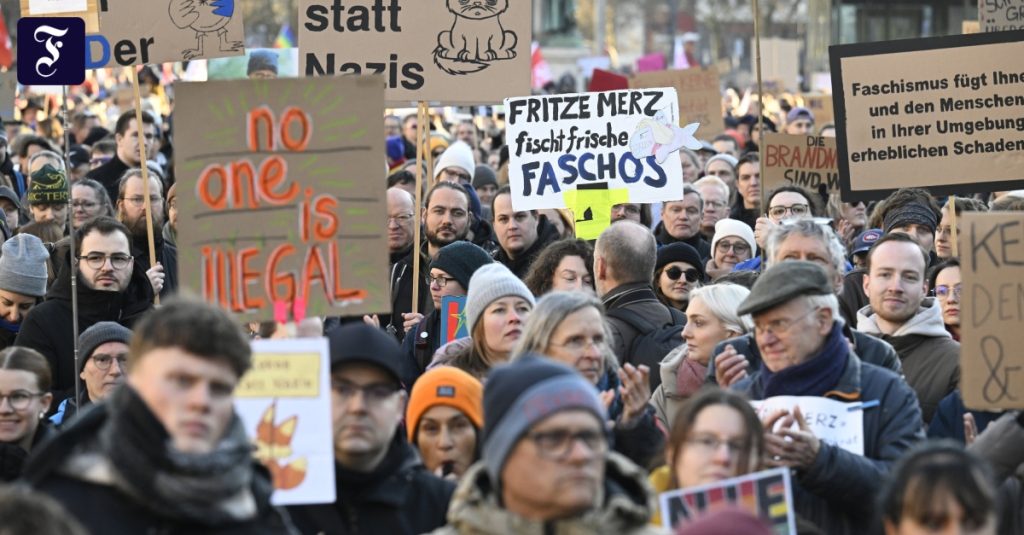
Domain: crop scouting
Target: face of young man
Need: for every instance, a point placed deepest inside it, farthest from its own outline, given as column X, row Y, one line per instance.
column 895, row 284
column 128, row 143
column 97, row 259
column 516, row 231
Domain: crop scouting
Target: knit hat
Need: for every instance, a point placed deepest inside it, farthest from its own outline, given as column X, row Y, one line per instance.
column 799, row 113
column 361, row 343
column 523, row 393
column 733, row 227
column 461, row 259
column 8, row 193
column 458, row 154
column 912, row 213
column 680, row 252
column 97, row 335
column 490, row 283
column 448, row 386
column 727, row 158
column 262, row 60
column 783, row 282
column 23, row 266
column 49, row 186
column 484, row 176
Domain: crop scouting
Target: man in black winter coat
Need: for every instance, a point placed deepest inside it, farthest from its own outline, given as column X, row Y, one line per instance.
column 521, row 235
column 111, row 287
column 680, row 222
column 382, row 486
column 126, row 133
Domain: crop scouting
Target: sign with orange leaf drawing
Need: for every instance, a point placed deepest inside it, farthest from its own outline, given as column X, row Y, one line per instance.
column 284, row 402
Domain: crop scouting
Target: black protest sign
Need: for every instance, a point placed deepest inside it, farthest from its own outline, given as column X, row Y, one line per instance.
column 940, row 113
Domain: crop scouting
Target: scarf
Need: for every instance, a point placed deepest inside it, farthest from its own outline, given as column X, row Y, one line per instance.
column 8, row 326
column 813, row 377
column 211, row 489
column 690, row 377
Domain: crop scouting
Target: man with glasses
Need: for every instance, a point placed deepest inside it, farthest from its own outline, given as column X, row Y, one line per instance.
column 902, row 314
column 798, row 334
column 131, row 210
column 546, row 464
column 102, row 365
column 382, row 485
column 110, row 286
column 715, row 194
column 400, row 222
column 126, row 134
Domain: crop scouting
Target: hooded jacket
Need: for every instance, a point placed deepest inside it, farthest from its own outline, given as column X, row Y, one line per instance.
column 930, row 356
column 48, row 326
column 625, row 509
column 546, row 234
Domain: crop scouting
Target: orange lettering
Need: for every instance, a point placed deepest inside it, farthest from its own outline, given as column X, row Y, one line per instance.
column 314, row 261
column 217, row 201
column 325, row 206
column 247, row 277
column 341, row 295
column 253, row 131
column 273, row 171
column 276, row 279
column 243, row 180
column 295, row 114
column 208, row 276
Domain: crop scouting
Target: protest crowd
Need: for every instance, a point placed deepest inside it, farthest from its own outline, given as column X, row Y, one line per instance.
column 685, row 343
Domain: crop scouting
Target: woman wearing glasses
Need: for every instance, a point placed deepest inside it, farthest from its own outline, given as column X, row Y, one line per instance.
column 732, row 244
column 571, row 327
column 677, row 271
column 24, row 400
column 945, row 283
column 89, row 199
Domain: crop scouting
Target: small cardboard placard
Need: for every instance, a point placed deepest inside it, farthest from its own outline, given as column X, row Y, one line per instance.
column 284, row 401
column 453, row 318
column 992, row 310
column 941, row 113
column 699, row 92
column 454, row 52
column 805, row 161
column 8, row 93
column 767, row 494
column 87, row 10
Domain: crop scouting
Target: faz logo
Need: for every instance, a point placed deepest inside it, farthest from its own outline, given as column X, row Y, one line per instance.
column 51, row 51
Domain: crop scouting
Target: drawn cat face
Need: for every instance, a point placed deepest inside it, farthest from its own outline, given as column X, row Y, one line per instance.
column 477, row 9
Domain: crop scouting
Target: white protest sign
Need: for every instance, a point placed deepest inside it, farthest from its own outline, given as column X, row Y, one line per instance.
column 833, row 422
column 47, row 7
column 624, row 144
column 284, row 402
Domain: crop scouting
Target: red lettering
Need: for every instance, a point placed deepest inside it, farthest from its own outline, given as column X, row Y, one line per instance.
column 247, row 278
column 275, row 279
column 218, row 201
column 293, row 114
column 325, row 206
column 254, row 117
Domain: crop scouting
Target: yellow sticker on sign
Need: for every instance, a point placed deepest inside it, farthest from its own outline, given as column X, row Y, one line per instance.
column 599, row 202
column 281, row 375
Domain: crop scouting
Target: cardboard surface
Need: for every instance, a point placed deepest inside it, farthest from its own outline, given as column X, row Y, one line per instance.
column 699, row 92
column 821, row 106
column 8, row 92
column 942, row 113
column 780, row 63
column 806, row 161
column 281, row 195
column 432, row 51
column 992, row 310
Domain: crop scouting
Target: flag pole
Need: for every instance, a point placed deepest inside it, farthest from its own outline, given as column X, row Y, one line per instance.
column 71, row 245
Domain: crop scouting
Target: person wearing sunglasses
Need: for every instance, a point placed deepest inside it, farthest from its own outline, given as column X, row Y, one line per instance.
column 733, row 243
column 24, row 400
column 677, row 270
column 102, row 365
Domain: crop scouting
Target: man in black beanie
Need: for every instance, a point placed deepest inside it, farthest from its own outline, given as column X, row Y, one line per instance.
column 48, row 196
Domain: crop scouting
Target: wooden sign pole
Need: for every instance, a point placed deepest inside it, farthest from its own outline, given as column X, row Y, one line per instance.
column 143, row 158
column 421, row 118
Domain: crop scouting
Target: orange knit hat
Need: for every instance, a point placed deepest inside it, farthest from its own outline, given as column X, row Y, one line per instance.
column 449, row 386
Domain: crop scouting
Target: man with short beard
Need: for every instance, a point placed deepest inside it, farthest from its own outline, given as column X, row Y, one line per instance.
column 131, row 210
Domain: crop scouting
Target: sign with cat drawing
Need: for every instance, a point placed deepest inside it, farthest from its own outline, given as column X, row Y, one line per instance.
column 590, row 151
column 440, row 51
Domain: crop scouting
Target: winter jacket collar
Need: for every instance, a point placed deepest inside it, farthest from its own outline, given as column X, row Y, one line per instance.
column 630, row 292
column 384, row 484
column 927, row 322
column 546, row 233
column 664, row 238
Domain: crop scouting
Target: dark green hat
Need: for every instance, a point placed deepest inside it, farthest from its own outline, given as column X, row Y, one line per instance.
column 783, row 282
column 49, row 186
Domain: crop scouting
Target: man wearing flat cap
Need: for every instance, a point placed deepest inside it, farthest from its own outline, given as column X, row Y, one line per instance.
column 805, row 354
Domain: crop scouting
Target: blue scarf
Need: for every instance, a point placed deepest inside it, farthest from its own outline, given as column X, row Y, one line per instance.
column 813, row 377
column 8, row 326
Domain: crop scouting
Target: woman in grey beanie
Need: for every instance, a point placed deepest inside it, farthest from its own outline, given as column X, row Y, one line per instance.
column 497, row 306
column 22, row 282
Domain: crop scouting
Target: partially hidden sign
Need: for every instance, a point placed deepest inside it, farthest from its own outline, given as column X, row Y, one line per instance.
column 624, row 141
column 281, row 191
column 833, row 422
column 699, row 92
column 134, row 32
column 767, row 494
column 992, row 267
column 449, row 51
column 805, row 161
column 453, row 318
column 87, row 10
column 284, row 402
column 1001, row 15
column 942, row 113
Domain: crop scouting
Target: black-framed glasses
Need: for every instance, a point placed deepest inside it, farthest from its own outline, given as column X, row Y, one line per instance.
column 441, row 280
column 739, row 247
column 102, row 361
column 557, row 444
column 97, row 260
column 798, row 209
column 372, row 393
column 20, row 399
column 673, row 273
column 943, row 291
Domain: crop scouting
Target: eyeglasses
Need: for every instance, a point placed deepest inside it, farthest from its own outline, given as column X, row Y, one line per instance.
column 372, row 393
column 98, row 260
column 714, row 204
column 557, row 444
column 577, row 344
column 943, row 291
column 440, row 280
column 20, row 399
column 102, row 361
column 739, row 247
column 711, row 443
column 139, row 200
column 401, row 219
column 796, row 209
column 673, row 273
column 780, row 325
column 85, row 205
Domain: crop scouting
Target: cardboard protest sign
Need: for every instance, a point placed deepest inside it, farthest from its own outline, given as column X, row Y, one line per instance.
column 281, row 195
column 820, row 105
column 834, row 422
column 941, row 113
column 161, row 31
column 284, row 401
column 767, row 494
column 1000, row 15
column 452, row 52
column 992, row 267
column 8, row 92
column 700, row 96
column 805, row 161
column 87, row 10
column 780, row 63
column 624, row 141
column 453, row 318
column 284, row 60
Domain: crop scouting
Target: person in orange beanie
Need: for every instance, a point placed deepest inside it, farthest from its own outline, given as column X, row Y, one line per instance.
column 444, row 418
